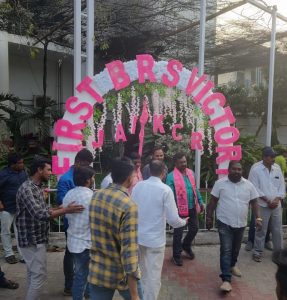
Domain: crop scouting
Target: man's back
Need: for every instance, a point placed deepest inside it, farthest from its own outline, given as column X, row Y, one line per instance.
column 155, row 203
column 114, row 253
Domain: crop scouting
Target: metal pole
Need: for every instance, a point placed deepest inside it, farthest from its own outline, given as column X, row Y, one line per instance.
column 201, row 70
column 90, row 38
column 77, row 43
column 90, row 63
column 271, row 77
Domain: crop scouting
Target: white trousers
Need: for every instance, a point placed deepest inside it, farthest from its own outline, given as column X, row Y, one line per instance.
column 151, row 261
column 36, row 262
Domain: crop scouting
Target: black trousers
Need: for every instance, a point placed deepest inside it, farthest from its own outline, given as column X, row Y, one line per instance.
column 192, row 227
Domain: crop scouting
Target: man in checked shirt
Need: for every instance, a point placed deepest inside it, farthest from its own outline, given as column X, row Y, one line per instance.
column 32, row 221
column 114, row 251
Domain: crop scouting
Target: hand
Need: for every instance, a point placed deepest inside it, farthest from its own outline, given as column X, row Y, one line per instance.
column 135, row 297
column 273, row 204
column 209, row 223
column 258, row 225
column 74, row 208
column 186, row 220
column 1, row 206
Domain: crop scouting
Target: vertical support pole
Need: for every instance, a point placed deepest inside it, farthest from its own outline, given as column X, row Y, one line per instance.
column 77, row 43
column 201, row 70
column 90, row 38
column 271, row 77
column 90, row 62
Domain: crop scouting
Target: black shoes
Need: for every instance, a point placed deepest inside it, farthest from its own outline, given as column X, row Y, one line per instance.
column 177, row 261
column 188, row 253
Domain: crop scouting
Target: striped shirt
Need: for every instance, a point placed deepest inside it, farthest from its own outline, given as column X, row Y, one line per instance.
column 79, row 234
column 114, row 252
column 32, row 215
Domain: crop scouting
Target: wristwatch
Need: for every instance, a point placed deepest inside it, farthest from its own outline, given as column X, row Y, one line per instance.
column 259, row 219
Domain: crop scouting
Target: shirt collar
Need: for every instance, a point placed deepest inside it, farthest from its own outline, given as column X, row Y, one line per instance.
column 264, row 167
column 116, row 186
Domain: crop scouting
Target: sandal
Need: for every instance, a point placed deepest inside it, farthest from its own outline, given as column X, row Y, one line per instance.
column 8, row 284
column 256, row 258
column 55, row 249
column 11, row 259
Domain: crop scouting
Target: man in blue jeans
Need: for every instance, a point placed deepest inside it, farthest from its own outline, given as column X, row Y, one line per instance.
column 83, row 158
column 79, row 233
column 231, row 196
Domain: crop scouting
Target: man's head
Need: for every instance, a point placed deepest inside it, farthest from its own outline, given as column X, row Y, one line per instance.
column 268, row 156
column 84, row 176
column 136, row 159
column 234, row 171
column 157, row 168
column 83, row 158
column 180, row 161
column 280, row 259
column 122, row 171
column 41, row 169
column 157, row 153
column 15, row 162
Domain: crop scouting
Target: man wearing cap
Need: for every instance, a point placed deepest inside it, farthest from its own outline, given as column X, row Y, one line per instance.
column 269, row 182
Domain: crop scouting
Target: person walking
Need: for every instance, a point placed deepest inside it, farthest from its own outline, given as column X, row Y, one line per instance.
column 189, row 202
column 32, row 221
column 156, row 206
column 11, row 178
column 230, row 197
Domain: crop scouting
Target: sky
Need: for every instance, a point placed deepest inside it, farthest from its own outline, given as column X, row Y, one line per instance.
column 264, row 20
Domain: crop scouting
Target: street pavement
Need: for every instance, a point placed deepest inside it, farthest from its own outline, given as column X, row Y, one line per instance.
column 195, row 280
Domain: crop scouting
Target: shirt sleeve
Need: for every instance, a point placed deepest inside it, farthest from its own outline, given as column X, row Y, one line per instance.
column 254, row 178
column 199, row 197
column 32, row 206
column 253, row 192
column 171, row 211
column 170, row 182
column 215, row 190
column 128, row 241
column 281, row 188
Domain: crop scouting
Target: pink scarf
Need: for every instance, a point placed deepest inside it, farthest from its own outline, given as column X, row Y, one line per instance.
column 181, row 194
column 137, row 177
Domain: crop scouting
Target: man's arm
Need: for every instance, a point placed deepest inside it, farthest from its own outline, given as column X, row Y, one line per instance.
column 210, row 210
column 255, row 210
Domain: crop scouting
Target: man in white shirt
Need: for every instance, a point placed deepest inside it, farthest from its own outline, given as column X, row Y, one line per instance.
column 79, row 233
column 231, row 196
column 156, row 205
column 270, row 185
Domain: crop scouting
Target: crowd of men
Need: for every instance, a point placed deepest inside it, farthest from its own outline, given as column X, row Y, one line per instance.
column 115, row 235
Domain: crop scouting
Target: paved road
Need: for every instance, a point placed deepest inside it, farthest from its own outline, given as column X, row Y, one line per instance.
column 196, row 280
